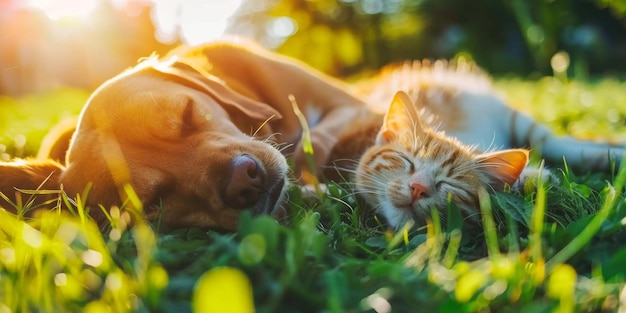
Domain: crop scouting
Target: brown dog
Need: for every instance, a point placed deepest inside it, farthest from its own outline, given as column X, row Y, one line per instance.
column 193, row 134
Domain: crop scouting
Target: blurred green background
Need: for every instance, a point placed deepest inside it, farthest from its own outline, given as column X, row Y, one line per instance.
column 503, row 36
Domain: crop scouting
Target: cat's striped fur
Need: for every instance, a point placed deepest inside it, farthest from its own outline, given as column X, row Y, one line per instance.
column 430, row 147
column 412, row 168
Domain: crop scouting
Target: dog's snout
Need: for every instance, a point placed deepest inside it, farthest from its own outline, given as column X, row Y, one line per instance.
column 246, row 182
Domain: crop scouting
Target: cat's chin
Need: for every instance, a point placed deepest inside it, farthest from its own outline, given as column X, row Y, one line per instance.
column 398, row 218
column 418, row 214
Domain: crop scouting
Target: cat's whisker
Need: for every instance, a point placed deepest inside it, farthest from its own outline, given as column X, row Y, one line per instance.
column 353, row 161
column 370, row 186
column 466, row 167
column 344, row 169
column 378, row 186
column 357, row 193
column 375, row 180
column 491, row 146
column 472, row 216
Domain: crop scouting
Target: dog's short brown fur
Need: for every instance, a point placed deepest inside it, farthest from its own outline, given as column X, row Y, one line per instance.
column 193, row 135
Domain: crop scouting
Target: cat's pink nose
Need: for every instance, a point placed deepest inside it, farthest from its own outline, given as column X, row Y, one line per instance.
column 418, row 191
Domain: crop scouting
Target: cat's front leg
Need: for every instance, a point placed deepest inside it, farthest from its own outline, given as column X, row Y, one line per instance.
column 582, row 155
column 532, row 175
column 579, row 154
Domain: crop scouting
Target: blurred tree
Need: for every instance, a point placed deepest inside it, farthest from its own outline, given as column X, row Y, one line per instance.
column 618, row 6
column 39, row 53
column 343, row 37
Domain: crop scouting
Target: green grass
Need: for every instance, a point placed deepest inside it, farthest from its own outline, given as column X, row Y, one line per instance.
column 555, row 248
column 25, row 120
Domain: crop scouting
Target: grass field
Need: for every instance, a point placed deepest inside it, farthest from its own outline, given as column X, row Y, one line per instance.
column 555, row 248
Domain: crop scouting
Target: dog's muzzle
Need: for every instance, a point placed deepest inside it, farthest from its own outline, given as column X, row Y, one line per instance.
column 252, row 187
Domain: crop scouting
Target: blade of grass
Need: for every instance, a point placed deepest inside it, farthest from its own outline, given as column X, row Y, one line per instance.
column 491, row 237
column 455, row 217
column 594, row 225
column 33, row 194
column 453, row 248
column 536, row 221
column 435, row 237
column 11, row 203
column 537, row 270
column 307, row 145
column 454, row 227
column 136, row 206
column 513, row 247
column 400, row 235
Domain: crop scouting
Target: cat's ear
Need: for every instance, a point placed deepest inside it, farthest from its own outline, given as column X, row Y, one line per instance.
column 504, row 167
column 401, row 117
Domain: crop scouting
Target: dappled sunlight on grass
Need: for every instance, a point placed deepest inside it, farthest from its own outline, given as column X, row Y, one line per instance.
column 25, row 121
column 57, row 262
column 587, row 110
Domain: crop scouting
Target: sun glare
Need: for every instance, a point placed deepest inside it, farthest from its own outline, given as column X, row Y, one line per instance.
column 59, row 9
column 193, row 21
column 196, row 21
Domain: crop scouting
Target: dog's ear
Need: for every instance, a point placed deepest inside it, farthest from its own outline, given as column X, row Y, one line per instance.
column 55, row 144
column 28, row 176
column 231, row 100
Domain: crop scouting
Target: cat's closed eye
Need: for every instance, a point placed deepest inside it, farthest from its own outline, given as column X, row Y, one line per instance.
column 439, row 184
column 408, row 163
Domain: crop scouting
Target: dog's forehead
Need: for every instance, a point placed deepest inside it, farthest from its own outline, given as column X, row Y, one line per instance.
column 139, row 96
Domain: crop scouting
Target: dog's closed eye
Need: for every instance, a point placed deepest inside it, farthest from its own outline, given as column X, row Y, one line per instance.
column 181, row 121
column 188, row 124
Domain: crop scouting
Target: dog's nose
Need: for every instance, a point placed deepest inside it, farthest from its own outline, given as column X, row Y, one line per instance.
column 246, row 182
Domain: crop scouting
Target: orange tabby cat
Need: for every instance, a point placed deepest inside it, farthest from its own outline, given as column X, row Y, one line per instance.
column 413, row 168
column 429, row 146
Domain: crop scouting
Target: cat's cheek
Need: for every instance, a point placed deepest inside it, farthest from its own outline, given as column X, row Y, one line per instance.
column 395, row 217
column 467, row 200
column 399, row 194
column 447, row 193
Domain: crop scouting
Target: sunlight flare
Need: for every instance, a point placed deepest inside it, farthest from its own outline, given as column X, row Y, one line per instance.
column 60, row 279
column 32, row 237
column 59, row 9
column 196, row 22
column 114, row 282
column 92, row 258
